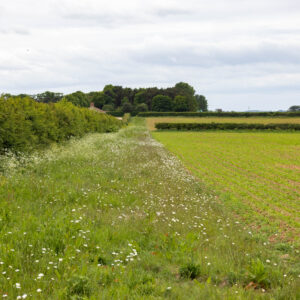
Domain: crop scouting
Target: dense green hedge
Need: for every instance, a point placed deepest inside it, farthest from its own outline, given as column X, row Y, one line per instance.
column 25, row 123
column 218, row 114
column 120, row 113
column 225, row 126
column 115, row 113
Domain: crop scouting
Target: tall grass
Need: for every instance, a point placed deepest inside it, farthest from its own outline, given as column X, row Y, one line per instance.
column 115, row 216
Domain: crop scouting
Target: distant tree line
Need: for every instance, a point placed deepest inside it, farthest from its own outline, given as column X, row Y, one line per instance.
column 180, row 98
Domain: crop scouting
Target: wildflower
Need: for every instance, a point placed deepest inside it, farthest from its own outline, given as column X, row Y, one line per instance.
column 38, row 290
column 24, row 296
column 18, row 285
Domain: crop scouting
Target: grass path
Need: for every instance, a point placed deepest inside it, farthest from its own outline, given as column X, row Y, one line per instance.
column 115, row 216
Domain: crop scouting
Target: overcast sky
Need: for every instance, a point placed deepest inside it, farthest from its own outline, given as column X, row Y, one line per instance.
column 240, row 54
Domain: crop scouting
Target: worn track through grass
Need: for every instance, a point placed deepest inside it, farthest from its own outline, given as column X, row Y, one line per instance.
column 115, row 216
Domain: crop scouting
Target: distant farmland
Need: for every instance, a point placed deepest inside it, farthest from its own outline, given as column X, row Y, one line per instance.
column 262, row 120
column 257, row 174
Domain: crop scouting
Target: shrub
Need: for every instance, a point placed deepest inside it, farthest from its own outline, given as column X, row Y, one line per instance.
column 108, row 107
column 258, row 274
column 226, row 126
column 26, row 124
column 190, row 271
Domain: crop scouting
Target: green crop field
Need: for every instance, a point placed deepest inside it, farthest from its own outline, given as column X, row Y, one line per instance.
column 267, row 120
column 257, row 174
column 116, row 216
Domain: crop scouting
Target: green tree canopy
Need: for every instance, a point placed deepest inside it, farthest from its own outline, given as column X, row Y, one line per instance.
column 201, row 103
column 46, row 97
column 161, row 103
column 180, row 104
column 78, row 98
column 294, row 108
column 142, row 107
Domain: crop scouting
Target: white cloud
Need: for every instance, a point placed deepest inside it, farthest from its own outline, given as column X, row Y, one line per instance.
column 226, row 49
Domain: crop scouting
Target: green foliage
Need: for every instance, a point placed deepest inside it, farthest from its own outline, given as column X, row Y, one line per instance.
column 98, row 98
column 226, row 126
column 295, row 108
column 180, row 104
column 162, row 103
column 117, row 96
column 258, row 273
column 108, row 107
column 219, row 114
column 140, row 97
column 79, row 285
column 142, row 107
column 123, row 200
column 201, row 103
column 26, row 124
column 126, row 118
column 47, row 97
column 184, row 89
column 127, row 107
column 78, row 98
column 190, row 270
column 125, row 100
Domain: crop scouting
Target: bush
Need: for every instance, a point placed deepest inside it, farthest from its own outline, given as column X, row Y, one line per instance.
column 226, row 126
column 26, row 124
column 108, row 107
column 126, row 118
column 190, row 271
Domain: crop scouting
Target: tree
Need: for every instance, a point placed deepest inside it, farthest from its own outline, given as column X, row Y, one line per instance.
column 108, row 107
column 47, row 97
column 78, row 98
column 294, row 108
column 127, row 107
column 161, row 103
column 184, row 89
column 201, row 103
column 140, row 97
column 98, row 98
column 109, row 94
column 180, row 104
column 142, row 107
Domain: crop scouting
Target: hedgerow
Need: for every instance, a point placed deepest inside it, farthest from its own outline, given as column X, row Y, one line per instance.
column 26, row 124
column 225, row 126
column 218, row 114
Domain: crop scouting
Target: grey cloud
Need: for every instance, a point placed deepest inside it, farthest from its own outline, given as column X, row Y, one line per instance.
column 166, row 12
column 215, row 56
column 17, row 31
